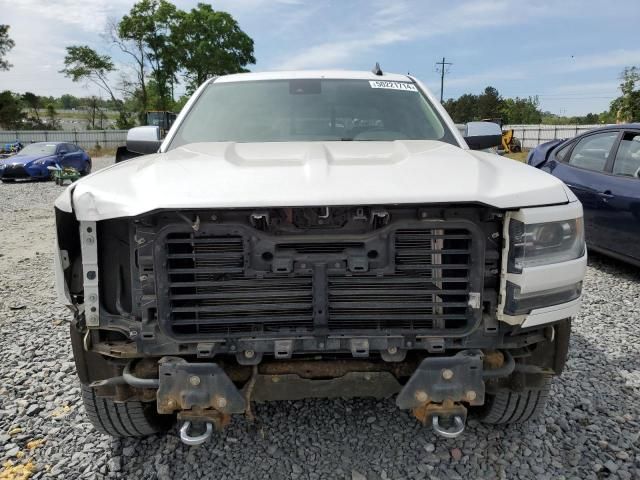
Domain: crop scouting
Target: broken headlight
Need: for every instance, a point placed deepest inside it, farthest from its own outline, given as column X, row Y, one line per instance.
column 533, row 245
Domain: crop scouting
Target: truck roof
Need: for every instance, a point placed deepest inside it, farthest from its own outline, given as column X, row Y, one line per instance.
column 331, row 74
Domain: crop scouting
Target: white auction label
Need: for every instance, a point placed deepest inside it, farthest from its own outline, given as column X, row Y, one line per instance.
column 409, row 87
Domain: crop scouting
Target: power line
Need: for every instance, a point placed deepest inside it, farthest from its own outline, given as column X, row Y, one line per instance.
column 443, row 67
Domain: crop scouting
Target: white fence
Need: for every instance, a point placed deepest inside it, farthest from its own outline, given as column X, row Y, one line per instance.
column 84, row 138
column 530, row 135
column 533, row 135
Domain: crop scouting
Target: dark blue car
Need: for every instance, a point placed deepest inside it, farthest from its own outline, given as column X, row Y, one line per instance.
column 602, row 168
column 33, row 161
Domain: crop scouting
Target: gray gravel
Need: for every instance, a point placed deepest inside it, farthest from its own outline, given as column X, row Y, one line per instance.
column 591, row 429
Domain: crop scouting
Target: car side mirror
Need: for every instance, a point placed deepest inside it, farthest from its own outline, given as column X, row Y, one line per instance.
column 481, row 135
column 62, row 152
column 144, row 140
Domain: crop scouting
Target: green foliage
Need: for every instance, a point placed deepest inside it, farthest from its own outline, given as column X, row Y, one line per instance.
column 11, row 114
column 82, row 63
column 162, row 42
column 549, row 118
column 490, row 105
column 627, row 106
column 52, row 117
column 6, row 44
column 149, row 24
column 33, row 103
column 68, row 102
column 209, row 43
column 521, row 110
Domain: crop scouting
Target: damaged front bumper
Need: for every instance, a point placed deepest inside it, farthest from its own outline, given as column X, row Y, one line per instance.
column 438, row 390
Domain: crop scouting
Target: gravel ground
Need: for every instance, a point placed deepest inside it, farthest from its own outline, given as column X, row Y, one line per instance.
column 590, row 431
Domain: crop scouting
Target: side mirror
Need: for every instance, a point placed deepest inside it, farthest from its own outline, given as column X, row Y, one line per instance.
column 481, row 135
column 62, row 152
column 144, row 140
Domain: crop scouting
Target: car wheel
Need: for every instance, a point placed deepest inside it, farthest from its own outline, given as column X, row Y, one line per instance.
column 124, row 419
column 87, row 168
column 510, row 406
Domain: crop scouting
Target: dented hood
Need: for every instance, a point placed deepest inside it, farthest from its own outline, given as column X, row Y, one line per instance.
column 231, row 175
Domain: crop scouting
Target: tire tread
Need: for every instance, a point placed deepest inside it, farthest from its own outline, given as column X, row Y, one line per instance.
column 510, row 407
column 121, row 419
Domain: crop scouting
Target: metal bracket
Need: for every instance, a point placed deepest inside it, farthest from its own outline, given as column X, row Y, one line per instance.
column 475, row 300
column 438, row 379
column 359, row 347
column 196, row 386
column 282, row 349
column 89, row 248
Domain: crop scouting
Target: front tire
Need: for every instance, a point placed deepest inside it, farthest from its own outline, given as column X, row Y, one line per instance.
column 87, row 168
column 123, row 419
column 509, row 406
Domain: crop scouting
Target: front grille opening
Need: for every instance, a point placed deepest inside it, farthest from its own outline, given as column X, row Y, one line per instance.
column 212, row 290
column 429, row 289
column 209, row 293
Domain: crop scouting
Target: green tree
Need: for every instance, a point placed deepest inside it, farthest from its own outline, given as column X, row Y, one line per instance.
column 148, row 25
column 489, row 104
column 11, row 114
column 83, row 64
column 627, row 107
column 521, row 111
column 6, row 44
column 52, row 117
column 32, row 101
column 68, row 102
column 209, row 43
column 464, row 109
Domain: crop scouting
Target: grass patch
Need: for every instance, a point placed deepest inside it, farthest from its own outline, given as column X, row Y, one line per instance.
column 98, row 151
column 519, row 156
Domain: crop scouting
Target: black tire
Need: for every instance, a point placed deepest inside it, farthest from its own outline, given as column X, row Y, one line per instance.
column 509, row 406
column 123, row 419
column 7, row 180
column 87, row 169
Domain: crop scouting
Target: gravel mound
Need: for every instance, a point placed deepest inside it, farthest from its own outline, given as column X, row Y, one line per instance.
column 591, row 429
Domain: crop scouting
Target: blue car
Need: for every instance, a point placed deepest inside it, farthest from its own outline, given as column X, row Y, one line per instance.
column 32, row 161
column 602, row 168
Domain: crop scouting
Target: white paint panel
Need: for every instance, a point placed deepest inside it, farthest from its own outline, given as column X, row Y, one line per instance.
column 541, row 316
column 235, row 175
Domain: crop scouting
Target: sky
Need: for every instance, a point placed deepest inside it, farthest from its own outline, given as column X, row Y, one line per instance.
column 567, row 52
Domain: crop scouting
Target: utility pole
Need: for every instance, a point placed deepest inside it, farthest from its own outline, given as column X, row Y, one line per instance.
column 443, row 64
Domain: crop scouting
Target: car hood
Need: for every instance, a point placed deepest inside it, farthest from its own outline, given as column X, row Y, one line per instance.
column 233, row 175
column 21, row 159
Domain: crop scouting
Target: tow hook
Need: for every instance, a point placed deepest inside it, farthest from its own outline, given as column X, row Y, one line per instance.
column 455, row 431
column 439, row 389
column 198, row 439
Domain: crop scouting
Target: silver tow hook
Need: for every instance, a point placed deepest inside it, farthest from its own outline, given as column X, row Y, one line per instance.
column 198, row 439
column 453, row 432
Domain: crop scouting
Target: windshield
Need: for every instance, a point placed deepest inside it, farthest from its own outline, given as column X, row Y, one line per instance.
column 311, row 110
column 39, row 149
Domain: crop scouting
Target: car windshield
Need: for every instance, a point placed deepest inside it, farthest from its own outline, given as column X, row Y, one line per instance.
column 311, row 110
column 39, row 149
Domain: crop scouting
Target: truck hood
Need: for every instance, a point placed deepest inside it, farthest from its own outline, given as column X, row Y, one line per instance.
column 233, row 175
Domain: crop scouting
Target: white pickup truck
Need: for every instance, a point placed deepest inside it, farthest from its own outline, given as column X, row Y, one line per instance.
column 317, row 234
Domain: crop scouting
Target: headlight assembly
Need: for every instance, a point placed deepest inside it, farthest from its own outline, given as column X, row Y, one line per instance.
column 532, row 245
column 518, row 303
